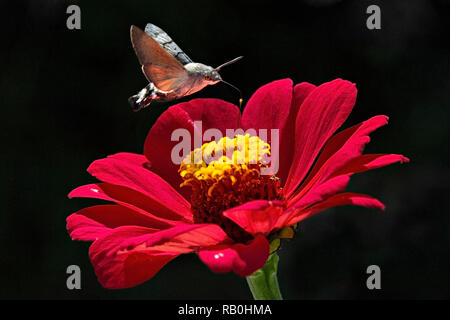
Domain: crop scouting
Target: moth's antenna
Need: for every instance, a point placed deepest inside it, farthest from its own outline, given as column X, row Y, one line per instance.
column 236, row 88
column 228, row 63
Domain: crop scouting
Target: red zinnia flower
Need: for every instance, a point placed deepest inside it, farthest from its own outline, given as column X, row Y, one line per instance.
column 228, row 215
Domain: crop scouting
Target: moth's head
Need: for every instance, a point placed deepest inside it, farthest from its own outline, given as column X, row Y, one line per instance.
column 212, row 76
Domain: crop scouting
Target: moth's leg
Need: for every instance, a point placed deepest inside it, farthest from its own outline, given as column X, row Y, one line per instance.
column 161, row 93
column 151, row 92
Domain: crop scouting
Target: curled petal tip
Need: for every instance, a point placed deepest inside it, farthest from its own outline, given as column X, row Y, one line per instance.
column 70, row 195
column 404, row 160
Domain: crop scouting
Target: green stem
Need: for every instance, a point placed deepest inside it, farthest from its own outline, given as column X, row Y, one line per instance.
column 263, row 283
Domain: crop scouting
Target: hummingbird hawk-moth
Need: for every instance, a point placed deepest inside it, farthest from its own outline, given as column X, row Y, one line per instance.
column 170, row 72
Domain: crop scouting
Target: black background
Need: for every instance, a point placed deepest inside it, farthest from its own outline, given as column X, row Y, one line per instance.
column 64, row 104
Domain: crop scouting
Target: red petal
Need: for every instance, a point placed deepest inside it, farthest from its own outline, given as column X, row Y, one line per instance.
column 337, row 200
column 369, row 162
column 184, row 237
column 268, row 108
column 321, row 114
column 85, row 229
column 128, row 268
column 342, row 155
column 129, row 174
column 239, row 258
column 137, row 159
column 321, row 192
column 158, row 146
column 95, row 222
column 161, row 217
column 256, row 217
column 354, row 138
column 287, row 134
column 129, row 256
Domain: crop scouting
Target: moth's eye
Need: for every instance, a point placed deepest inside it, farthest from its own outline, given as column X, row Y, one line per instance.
column 207, row 78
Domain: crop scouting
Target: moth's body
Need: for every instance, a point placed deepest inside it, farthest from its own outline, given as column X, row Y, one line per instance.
column 170, row 72
column 196, row 80
column 200, row 76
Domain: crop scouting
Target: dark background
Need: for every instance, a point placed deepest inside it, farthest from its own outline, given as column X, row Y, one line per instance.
column 64, row 104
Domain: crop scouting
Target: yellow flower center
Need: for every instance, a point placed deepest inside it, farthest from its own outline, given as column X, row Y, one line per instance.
column 226, row 174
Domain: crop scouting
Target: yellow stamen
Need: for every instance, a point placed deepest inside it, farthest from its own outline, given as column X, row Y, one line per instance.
column 225, row 174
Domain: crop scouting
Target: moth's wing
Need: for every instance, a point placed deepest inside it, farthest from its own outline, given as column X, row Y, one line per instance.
column 163, row 77
column 167, row 43
column 159, row 66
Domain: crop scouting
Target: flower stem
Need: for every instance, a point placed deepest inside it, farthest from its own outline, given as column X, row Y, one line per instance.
column 263, row 283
